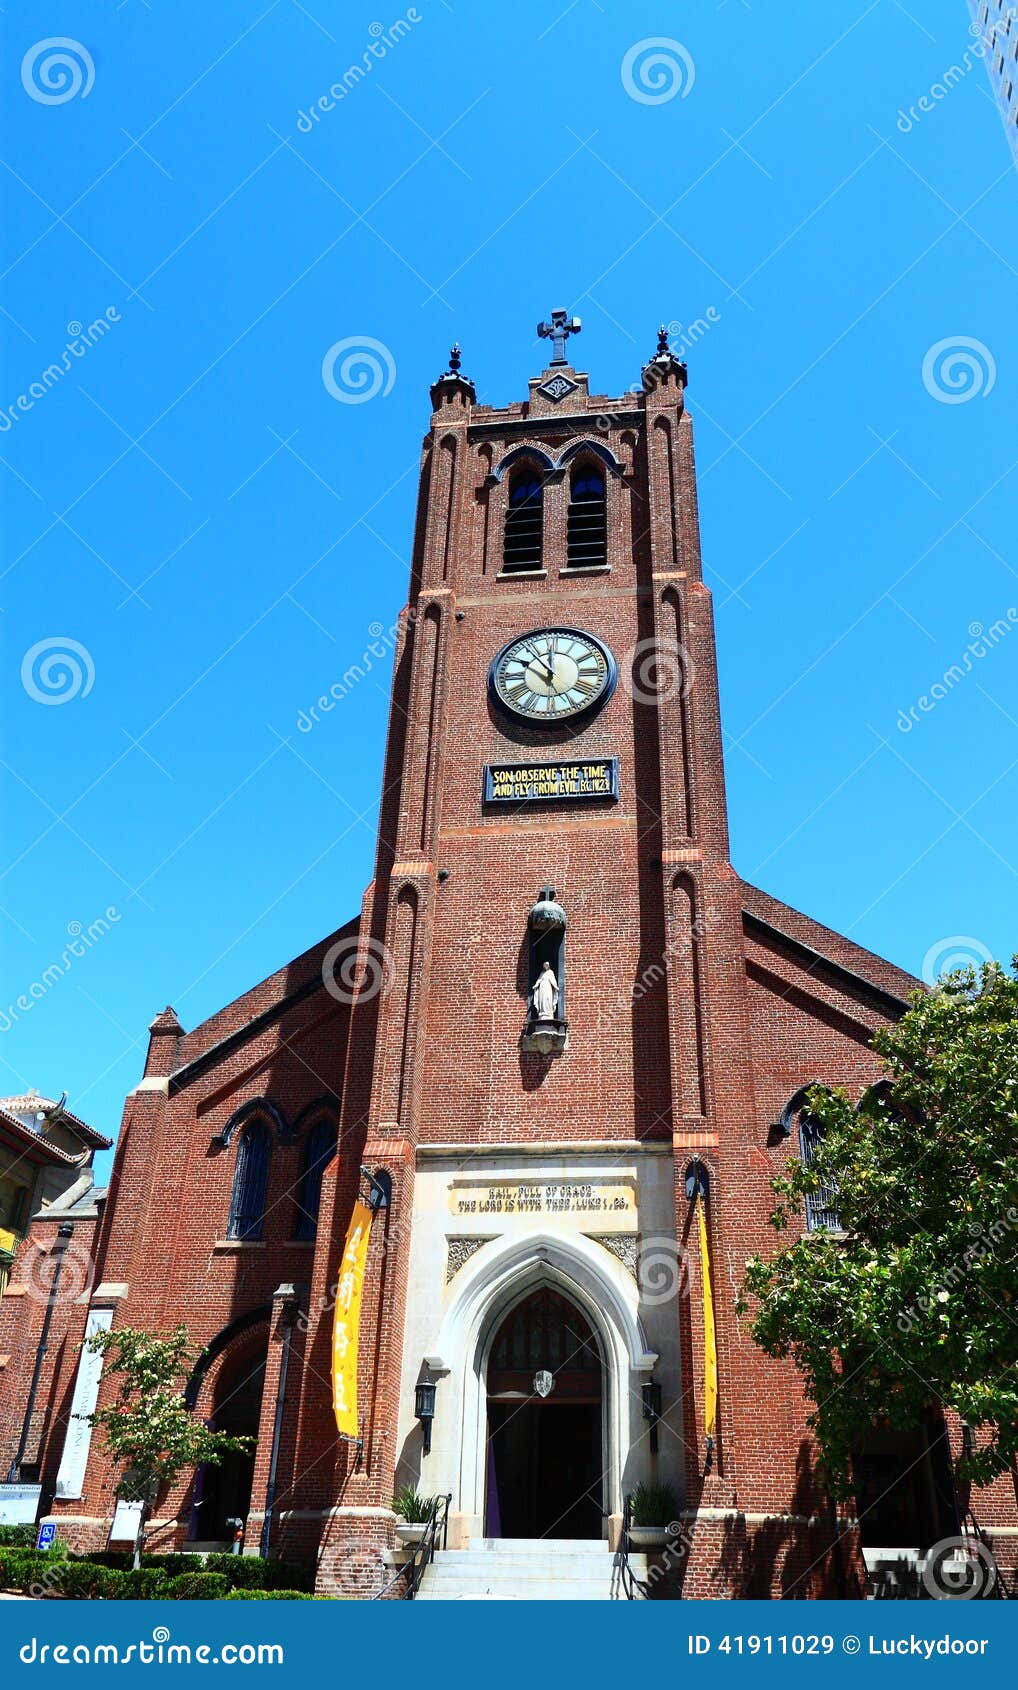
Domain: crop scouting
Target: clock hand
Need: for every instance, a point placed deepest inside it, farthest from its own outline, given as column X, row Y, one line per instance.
column 535, row 658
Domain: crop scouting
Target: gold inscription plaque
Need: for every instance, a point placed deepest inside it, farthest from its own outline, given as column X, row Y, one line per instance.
column 544, row 1197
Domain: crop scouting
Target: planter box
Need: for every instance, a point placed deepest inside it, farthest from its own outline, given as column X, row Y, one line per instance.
column 648, row 1537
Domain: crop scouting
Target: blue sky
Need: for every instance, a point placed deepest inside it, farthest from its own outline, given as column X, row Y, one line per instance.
column 190, row 505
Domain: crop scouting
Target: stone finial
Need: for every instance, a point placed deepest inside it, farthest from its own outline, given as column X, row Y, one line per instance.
column 664, row 367
column 452, row 385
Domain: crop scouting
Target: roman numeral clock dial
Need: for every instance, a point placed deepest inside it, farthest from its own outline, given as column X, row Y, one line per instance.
column 552, row 675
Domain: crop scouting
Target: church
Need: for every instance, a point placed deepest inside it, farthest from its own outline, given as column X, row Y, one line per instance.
column 553, row 1062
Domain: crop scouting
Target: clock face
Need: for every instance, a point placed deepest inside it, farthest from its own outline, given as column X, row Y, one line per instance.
column 553, row 675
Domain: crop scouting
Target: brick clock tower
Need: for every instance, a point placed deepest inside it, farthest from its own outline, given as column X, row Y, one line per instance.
column 561, row 1032
column 577, row 1009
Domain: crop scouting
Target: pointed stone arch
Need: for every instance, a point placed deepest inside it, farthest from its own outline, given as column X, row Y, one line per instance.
column 517, row 454
column 499, row 1276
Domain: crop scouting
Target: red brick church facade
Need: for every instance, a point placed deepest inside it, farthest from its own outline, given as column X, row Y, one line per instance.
column 537, row 1163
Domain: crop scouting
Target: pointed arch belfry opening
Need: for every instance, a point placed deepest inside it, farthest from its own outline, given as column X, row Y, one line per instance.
column 598, row 1300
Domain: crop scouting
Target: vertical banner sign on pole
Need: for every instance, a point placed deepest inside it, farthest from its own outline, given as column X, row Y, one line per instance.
column 346, row 1324
column 710, row 1348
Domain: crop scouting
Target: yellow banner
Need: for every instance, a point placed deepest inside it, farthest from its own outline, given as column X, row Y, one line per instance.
column 346, row 1324
column 710, row 1348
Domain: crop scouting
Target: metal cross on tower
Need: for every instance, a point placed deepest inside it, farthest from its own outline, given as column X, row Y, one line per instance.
column 560, row 326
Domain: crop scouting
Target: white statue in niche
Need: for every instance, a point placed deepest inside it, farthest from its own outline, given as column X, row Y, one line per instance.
column 545, row 994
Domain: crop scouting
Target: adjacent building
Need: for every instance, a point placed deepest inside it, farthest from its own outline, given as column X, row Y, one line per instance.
column 997, row 24
column 49, row 1209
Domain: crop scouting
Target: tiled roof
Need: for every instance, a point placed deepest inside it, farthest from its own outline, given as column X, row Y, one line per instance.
column 30, row 1104
column 33, row 1141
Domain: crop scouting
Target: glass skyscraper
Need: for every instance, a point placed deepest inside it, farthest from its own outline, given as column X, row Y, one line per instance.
column 997, row 22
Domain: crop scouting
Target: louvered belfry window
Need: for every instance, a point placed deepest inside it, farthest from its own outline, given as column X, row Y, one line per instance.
column 587, row 521
column 524, row 520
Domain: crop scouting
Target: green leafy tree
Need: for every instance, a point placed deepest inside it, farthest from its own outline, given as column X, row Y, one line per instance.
column 149, row 1429
column 913, row 1304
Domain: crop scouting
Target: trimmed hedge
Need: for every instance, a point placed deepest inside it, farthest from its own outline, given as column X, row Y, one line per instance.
column 22, row 1567
column 103, row 1576
column 195, row 1587
column 18, row 1537
column 268, row 1596
column 250, row 1572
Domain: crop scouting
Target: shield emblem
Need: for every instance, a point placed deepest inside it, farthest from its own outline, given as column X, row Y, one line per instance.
column 544, row 1382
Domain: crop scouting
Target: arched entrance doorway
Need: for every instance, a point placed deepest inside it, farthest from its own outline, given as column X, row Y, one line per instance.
column 545, row 1424
column 223, row 1493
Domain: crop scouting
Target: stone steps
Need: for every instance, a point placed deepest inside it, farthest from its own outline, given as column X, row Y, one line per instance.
column 526, row 1570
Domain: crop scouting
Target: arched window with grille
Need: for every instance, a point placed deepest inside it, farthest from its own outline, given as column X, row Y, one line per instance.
column 821, row 1205
column 319, row 1149
column 524, row 521
column 587, row 520
column 250, row 1180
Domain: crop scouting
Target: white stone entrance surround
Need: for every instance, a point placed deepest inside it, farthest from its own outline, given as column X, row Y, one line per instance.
column 523, row 1216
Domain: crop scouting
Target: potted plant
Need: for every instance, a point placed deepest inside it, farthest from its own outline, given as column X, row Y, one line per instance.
column 414, row 1512
column 653, row 1508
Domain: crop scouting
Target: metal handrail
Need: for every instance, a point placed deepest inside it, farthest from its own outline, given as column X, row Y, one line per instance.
column 423, row 1553
column 996, row 1591
column 632, row 1588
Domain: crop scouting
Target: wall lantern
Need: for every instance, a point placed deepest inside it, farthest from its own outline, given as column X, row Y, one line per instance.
column 380, row 1195
column 697, row 1181
column 424, row 1408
